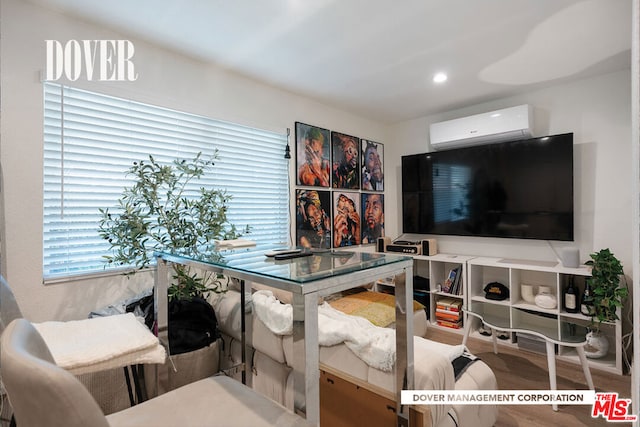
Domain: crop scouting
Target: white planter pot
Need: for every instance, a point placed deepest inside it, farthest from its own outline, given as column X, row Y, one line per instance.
column 597, row 345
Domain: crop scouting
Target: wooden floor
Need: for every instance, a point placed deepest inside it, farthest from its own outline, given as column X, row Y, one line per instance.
column 522, row 370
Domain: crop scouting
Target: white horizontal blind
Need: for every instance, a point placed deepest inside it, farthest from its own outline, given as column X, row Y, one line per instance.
column 91, row 140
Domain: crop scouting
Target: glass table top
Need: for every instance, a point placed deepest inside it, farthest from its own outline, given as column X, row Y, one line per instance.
column 321, row 264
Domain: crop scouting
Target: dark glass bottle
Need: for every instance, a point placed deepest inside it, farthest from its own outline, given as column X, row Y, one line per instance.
column 570, row 297
column 586, row 302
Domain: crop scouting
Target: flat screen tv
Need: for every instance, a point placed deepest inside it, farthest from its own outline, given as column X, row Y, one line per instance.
column 520, row 189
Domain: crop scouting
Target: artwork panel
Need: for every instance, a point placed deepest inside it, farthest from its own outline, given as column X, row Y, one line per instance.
column 372, row 165
column 372, row 217
column 313, row 162
column 346, row 219
column 345, row 152
column 313, row 218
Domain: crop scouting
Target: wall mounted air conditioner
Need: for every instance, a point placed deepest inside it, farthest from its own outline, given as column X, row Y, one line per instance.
column 508, row 124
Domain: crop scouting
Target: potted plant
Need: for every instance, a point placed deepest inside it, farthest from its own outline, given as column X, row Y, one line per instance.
column 165, row 211
column 608, row 295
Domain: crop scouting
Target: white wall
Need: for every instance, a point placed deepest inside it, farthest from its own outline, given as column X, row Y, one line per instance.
column 165, row 78
column 597, row 111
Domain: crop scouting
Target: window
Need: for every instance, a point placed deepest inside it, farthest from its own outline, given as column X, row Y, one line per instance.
column 91, row 140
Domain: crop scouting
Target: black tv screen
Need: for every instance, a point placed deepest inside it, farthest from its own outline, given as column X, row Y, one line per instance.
column 520, row 189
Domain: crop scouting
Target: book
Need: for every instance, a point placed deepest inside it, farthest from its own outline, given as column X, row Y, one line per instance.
column 451, row 277
column 450, row 316
column 447, row 309
column 456, row 289
column 447, row 324
column 449, row 304
column 444, row 312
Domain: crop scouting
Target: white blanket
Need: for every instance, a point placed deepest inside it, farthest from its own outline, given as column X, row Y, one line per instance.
column 278, row 317
column 374, row 345
column 99, row 343
column 450, row 352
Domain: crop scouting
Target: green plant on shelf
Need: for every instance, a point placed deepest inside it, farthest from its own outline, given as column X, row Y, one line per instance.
column 608, row 286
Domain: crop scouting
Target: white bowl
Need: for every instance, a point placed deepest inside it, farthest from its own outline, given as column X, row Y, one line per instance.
column 546, row 300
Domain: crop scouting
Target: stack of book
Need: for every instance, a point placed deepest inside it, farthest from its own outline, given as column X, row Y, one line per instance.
column 449, row 312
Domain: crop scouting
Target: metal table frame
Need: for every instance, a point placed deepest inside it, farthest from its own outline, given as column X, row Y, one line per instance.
column 306, row 374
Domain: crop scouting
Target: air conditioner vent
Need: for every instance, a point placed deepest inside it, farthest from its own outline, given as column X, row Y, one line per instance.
column 508, row 124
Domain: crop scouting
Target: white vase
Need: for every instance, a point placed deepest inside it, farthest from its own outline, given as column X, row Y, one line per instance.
column 527, row 293
column 597, row 345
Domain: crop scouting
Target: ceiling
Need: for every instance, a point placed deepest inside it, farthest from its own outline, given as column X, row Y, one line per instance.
column 376, row 58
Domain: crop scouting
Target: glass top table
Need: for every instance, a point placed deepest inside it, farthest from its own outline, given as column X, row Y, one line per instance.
column 299, row 273
column 308, row 278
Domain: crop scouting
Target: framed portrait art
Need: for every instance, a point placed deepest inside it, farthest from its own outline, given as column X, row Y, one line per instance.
column 372, row 217
column 313, row 219
column 313, row 164
column 346, row 219
column 372, row 165
column 345, row 154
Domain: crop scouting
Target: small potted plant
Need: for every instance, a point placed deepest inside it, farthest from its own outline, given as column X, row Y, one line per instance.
column 609, row 292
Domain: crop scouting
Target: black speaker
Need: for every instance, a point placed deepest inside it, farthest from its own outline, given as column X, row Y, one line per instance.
column 381, row 244
column 429, row 247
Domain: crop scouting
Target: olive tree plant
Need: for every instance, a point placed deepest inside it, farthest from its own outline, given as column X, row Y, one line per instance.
column 162, row 211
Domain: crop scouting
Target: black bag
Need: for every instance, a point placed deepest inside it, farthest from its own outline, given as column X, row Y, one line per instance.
column 143, row 307
column 192, row 325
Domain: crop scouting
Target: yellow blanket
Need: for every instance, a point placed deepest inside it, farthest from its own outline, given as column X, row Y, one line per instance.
column 378, row 308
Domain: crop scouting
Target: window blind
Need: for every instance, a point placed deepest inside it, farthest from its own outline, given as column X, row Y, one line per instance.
column 91, row 140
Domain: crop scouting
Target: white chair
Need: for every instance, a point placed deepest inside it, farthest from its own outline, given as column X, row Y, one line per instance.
column 43, row 394
column 93, row 345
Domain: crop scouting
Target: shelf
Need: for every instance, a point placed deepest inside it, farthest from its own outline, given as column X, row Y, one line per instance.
column 555, row 324
column 446, row 294
column 533, row 307
column 490, row 301
column 575, row 316
column 515, row 313
column 607, row 363
column 436, row 269
column 531, row 265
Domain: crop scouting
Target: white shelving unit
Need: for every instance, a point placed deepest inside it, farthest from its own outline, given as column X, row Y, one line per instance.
column 516, row 313
column 436, row 268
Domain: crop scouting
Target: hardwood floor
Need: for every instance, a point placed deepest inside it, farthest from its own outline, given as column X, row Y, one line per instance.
column 517, row 369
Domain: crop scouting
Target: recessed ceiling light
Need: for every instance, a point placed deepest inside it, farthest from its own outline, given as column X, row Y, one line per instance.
column 439, row 78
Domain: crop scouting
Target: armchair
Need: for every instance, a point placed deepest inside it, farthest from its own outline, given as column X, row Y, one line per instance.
column 93, row 345
column 43, row 394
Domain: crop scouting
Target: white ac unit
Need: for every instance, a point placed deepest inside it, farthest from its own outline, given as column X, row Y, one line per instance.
column 508, row 124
